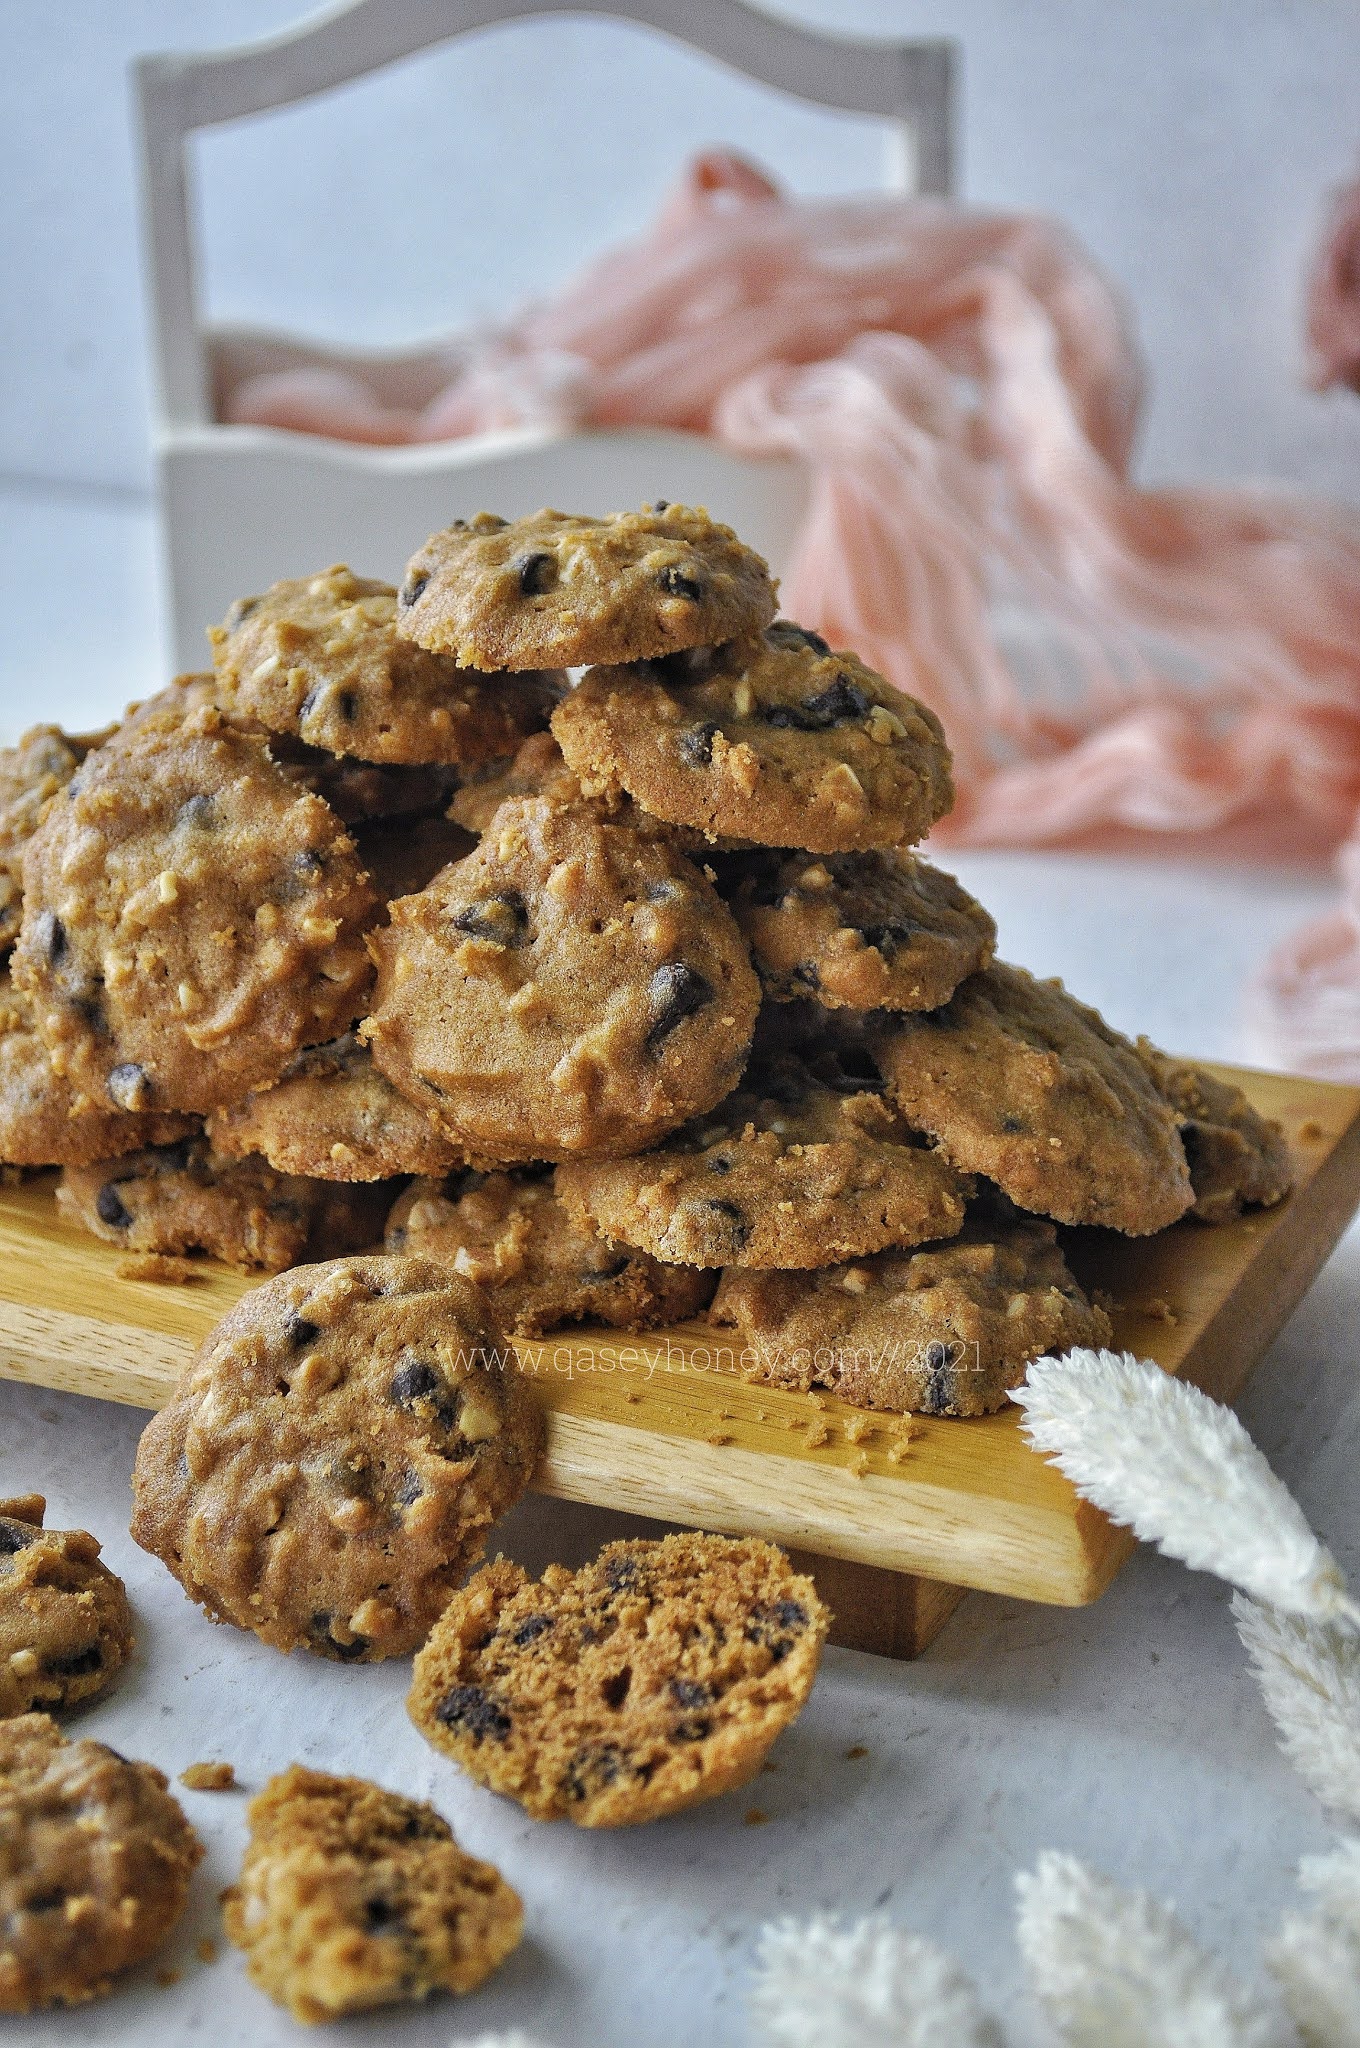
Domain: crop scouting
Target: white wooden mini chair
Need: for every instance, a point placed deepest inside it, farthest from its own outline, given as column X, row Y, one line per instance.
column 243, row 505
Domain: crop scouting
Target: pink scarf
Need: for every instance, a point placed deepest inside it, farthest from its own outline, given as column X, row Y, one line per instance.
column 964, row 390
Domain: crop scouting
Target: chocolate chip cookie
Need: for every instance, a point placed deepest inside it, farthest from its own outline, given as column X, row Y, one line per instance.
column 333, row 1116
column 65, row 1623
column 1238, row 1158
column 773, row 739
column 1016, row 1079
column 186, row 1197
column 537, row 1264
column 191, row 918
column 654, row 1678
column 42, row 1121
column 329, row 1465
column 41, row 764
column 319, row 657
column 571, row 988
column 351, row 1897
column 860, row 931
column 944, row 1330
column 560, row 589
column 95, row 1862
column 790, row 1170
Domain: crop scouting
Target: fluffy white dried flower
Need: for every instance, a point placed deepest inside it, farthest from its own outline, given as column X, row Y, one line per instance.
column 1182, row 1472
column 1334, row 1881
column 870, row 1985
column 1116, row 1969
column 1309, row 1675
column 1316, row 1963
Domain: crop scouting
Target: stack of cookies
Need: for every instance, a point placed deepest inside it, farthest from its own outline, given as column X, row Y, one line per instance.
column 623, row 995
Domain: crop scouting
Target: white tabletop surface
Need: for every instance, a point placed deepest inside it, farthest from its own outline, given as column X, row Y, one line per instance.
column 1129, row 1732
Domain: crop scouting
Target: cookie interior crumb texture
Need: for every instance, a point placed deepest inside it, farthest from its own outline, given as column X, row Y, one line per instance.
column 653, row 1678
column 95, row 1862
column 352, row 1897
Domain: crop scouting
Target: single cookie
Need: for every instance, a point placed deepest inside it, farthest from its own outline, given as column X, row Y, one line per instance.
column 653, row 1678
column 333, row 1116
column 352, row 1897
column 41, row 764
column 560, row 589
column 572, row 987
column 95, row 1862
column 537, row 1265
column 945, row 1330
column 329, row 1465
column 401, row 856
column 65, row 1623
column 1016, row 1079
column 319, row 657
column 789, row 1170
column 191, row 918
column 42, row 1122
column 859, row 931
column 773, row 739
column 1238, row 1158
column 187, row 1198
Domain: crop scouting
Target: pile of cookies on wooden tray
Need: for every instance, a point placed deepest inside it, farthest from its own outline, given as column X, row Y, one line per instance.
column 627, row 1000
column 473, row 1002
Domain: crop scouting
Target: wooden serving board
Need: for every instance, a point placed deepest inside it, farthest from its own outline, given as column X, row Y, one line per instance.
column 662, row 1425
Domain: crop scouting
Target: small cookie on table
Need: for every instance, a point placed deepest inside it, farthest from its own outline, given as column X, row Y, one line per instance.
column 65, row 1623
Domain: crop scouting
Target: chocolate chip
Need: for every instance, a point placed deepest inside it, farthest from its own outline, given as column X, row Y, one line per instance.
column 49, row 937
column 696, row 745
column 298, row 1333
column 888, row 939
column 239, row 612
column 537, row 573
column 197, row 812
column 381, row 1913
column 937, row 1356
column 129, row 1086
column 109, row 1208
column 719, row 1163
column 675, row 583
column 309, row 703
column 472, row 1709
column 413, row 1381
column 322, row 1640
column 308, row 862
column 502, row 919
column 788, row 635
column 15, row 1535
column 413, row 588
column 622, row 1574
column 676, row 991
column 531, row 1628
column 1011, row 1124
column 592, row 1767
column 841, row 703
column 776, row 1625
column 409, row 1489
column 75, row 1663
column 662, row 505
column 731, row 1227
column 690, row 1692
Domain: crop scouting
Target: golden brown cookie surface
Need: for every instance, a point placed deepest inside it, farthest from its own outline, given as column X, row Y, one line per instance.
column 95, row 1862
column 1018, row 1080
column 319, row 657
column 789, row 1170
column 330, row 1464
column 43, row 762
column 572, row 987
column 943, row 1330
column 653, row 1678
column 333, row 1116
column 352, row 1897
column 538, row 1266
column 559, row 589
column 187, row 1197
column 859, row 931
column 65, row 1623
column 42, row 1121
column 191, row 918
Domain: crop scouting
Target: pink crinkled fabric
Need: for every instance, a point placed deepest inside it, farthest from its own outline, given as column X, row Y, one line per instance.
column 964, row 390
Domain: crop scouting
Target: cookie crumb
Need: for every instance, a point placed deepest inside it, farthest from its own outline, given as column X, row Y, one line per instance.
column 859, row 1464
column 818, row 1433
column 755, row 1817
column 631, row 1398
column 858, row 1427
column 207, row 1777
column 717, row 1436
column 1160, row 1310
column 158, row 1266
column 207, row 1950
column 855, row 1752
